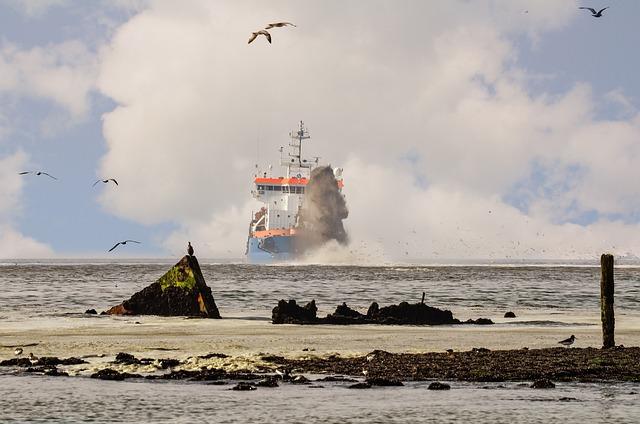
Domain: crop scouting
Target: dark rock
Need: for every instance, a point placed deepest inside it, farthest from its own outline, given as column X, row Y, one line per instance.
column 126, row 358
column 53, row 361
column 290, row 313
column 480, row 350
column 268, row 382
column 341, row 379
column 373, row 310
column 213, row 355
column 299, row 379
column 345, row 311
column 182, row 291
column 16, row 362
column 543, row 384
column 168, row 363
column 479, row 321
column 364, row 385
column 436, row 385
column 243, row 386
column 54, row 372
column 384, row 382
column 402, row 314
column 91, row 312
column 109, row 374
column 509, row 315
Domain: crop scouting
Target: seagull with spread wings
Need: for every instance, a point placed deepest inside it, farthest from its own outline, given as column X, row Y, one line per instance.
column 123, row 243
column 279, row 25
column 255, row 35
column 105, row 181
column 37, row 173
column 595, row 14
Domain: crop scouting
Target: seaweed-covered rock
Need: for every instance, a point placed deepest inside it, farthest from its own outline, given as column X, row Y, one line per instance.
column 509, row 314
column 126, row 358
column 290, row 313
column 109, row 374
column 182, row 291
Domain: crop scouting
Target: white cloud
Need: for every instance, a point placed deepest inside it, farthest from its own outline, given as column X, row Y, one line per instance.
column 63, row 73
column 375, row 82
column 13, row 244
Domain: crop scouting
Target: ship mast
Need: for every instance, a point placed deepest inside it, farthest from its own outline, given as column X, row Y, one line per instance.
column 296, row 162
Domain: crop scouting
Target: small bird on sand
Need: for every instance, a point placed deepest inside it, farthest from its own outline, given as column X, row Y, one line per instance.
column 37, row 173
column 595, row 14
column 279, row 25
column 123, row 243
column 18, row 351
column 255, row 35
column 105, row 181
column 190, row 249
column 568, row 342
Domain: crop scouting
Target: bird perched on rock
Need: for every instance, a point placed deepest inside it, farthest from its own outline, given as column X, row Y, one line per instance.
column 278, row 25
column 37, row 173
column 123, row 243
column 105, row 181
column 595, row 14
column 255, row 35
column 568, row 342
column 190, row 249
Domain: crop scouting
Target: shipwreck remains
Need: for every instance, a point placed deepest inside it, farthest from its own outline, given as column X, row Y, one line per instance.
column 182, row 291
column 289, row 312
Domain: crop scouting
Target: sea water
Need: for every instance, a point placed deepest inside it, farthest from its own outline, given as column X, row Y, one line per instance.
column 42, row 307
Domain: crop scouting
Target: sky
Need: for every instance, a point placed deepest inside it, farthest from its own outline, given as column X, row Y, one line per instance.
column 466, row 129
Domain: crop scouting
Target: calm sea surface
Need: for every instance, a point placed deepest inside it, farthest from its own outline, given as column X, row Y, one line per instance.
column 52, row 290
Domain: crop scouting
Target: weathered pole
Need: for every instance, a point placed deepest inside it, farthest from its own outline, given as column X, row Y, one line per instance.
column 423, row 294
column 606, row 301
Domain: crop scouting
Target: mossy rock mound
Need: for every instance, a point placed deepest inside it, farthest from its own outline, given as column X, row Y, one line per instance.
column 182, row 291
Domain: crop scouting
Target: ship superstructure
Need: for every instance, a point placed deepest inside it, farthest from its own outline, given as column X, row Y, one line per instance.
column 272, row 230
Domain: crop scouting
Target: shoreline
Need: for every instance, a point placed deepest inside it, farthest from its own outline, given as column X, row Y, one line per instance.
column 583, row 365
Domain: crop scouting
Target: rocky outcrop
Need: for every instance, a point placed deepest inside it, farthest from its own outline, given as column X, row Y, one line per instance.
column 402, row 314
column 182, row 291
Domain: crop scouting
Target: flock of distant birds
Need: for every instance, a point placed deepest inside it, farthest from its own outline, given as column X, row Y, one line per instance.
column 105, row 181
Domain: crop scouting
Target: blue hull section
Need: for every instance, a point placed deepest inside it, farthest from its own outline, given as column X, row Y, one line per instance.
column 270, row 250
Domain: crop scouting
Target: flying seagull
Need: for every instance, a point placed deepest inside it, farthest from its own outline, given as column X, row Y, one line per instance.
column 105, row 181
column 278, row 25
column 255, row 35
column 595, row 14
column 37, row 173
column 123, row 243
column 18, row 351
column 568, row 342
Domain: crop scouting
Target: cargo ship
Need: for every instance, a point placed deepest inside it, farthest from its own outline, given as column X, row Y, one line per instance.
column 275, row 226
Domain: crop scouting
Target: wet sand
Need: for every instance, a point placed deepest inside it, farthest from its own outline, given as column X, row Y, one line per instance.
column 181, row 338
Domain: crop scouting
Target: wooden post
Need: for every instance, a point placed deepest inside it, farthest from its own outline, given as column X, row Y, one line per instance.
column 423, row 293
column 606, row 301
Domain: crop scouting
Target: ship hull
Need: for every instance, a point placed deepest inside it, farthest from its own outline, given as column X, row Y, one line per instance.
column 273, row 249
